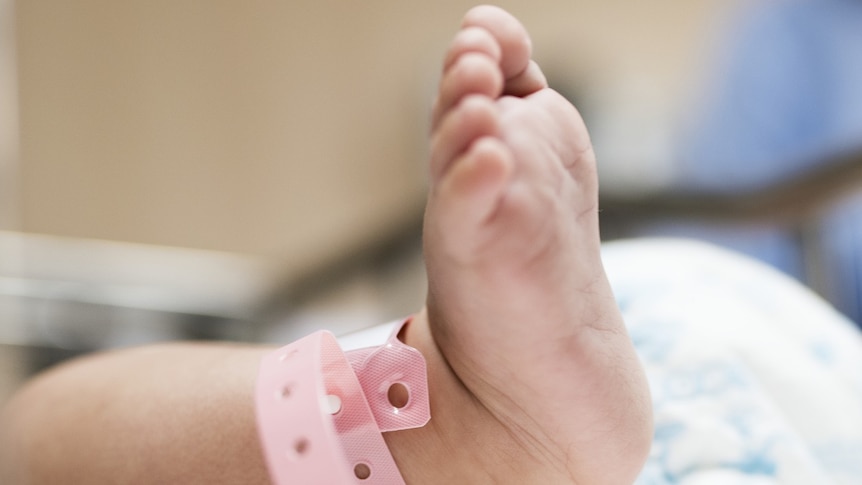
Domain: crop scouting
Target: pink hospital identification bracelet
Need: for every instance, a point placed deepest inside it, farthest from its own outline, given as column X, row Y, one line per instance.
column 321, row 412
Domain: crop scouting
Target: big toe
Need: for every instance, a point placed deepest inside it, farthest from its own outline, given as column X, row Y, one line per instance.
column 522, row 75
column 515, row 45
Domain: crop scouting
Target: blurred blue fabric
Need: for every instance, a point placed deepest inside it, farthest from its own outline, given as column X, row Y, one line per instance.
column 777, row 246
column 788, row 99
column 785, row 99
column 840, row 237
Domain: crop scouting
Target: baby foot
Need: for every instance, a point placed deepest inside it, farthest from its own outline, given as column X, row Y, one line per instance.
column 533, row 376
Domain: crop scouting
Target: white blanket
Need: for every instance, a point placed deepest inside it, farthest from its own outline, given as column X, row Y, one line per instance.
column 755, row 380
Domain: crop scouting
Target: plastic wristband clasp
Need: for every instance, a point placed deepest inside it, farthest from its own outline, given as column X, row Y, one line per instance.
column 321, row 411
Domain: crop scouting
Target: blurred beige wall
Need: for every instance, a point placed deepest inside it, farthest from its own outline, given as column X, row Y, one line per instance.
column 8, row 118
column 290, row 129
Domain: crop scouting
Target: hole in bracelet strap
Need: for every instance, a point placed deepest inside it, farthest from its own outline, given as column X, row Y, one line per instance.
column 362, row 471
column 286, row 390
column 398, row 395
column 330, row 404
column 300, row 448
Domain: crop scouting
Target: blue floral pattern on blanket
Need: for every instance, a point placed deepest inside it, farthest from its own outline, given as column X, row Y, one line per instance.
column 754, row 379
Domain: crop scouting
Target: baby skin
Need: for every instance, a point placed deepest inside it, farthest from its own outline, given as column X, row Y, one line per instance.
column 533, row 378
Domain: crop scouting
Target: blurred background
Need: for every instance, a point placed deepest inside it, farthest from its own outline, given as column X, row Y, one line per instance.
column 254, row 170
